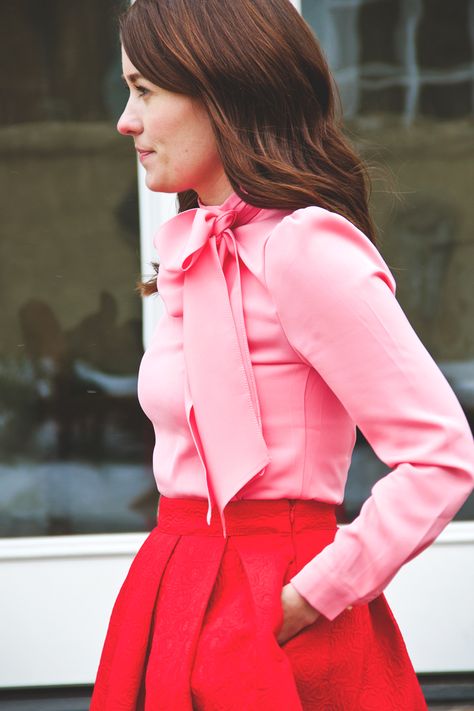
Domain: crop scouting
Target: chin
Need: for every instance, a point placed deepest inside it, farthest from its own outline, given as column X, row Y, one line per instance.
column 153, row 184
column 160, row 186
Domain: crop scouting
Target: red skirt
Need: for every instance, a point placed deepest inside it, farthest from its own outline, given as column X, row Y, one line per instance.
column 195, row 622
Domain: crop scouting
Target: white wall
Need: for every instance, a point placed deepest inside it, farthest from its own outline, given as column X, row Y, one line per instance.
column 56, row 595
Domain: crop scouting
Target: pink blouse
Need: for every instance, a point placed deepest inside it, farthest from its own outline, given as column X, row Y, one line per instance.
column 281, row 333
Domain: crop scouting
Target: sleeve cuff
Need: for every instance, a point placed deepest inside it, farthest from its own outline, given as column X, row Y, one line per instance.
column 327, row 596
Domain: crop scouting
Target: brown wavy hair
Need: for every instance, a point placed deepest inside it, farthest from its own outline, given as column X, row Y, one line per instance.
column 273, row 104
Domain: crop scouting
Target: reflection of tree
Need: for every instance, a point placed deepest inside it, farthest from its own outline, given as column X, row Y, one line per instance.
column 79, row 397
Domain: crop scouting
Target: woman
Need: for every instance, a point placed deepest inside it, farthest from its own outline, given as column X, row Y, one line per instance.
column 281, row 334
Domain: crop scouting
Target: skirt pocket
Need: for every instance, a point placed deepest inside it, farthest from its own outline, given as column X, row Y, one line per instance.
column 356, row 662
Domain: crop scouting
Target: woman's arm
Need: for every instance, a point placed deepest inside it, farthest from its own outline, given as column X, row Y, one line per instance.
column 335, row 298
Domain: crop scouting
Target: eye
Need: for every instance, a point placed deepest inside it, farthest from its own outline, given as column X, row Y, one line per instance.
column 141, row 90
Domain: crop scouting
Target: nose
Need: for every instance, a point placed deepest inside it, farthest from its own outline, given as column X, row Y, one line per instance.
column 129, row 123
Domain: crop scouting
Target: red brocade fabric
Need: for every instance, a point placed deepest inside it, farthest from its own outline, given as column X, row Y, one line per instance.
column 194, row 626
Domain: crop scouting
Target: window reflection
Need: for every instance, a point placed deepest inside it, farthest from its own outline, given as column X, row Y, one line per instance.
column 75, row 448
column 405, row 73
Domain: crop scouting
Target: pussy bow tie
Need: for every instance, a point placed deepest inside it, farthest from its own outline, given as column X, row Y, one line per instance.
column 199, row 278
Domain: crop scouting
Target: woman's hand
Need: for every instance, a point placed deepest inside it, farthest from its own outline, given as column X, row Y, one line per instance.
column 297, row 613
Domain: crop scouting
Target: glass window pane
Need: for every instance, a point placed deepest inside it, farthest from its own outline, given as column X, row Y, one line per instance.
column 405, row 73
column 75, row 448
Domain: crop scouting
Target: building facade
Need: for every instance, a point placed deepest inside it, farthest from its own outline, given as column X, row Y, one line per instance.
column 77, row 494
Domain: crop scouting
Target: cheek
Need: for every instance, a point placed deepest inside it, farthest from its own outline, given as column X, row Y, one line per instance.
column 182, row 137
column 196, row 156
column 189, row 140
column 198, row 142
column 162, row 130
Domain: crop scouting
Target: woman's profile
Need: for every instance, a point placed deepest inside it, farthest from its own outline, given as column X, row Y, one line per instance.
column 281, row 334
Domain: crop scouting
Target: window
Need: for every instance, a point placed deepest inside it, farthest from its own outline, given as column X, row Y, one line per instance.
column 405, row 74
column 75, row 447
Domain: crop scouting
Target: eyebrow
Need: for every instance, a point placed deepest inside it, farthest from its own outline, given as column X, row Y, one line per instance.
column 132, row 77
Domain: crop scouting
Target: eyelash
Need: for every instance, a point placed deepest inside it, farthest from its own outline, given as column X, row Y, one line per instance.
column 141, row 90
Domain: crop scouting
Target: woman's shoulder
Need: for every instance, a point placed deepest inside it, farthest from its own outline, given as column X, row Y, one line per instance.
column 324, row 246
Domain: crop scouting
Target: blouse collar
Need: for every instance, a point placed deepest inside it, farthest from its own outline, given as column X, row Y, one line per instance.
column 228, row 204
column 236, row 209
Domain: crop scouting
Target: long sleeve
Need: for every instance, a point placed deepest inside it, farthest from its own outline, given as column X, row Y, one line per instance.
column 335, row 298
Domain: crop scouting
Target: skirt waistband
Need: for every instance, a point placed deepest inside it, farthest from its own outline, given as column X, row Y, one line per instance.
column 185, row 516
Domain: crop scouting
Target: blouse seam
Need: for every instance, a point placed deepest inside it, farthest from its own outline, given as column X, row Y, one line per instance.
column 269, row 291
column 305, row 451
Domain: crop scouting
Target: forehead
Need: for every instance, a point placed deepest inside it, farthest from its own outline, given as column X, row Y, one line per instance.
column 127, row 66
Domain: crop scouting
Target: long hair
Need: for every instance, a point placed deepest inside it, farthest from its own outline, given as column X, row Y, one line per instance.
column 271, row 99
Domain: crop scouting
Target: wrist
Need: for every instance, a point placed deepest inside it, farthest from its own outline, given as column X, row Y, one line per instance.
column 310, row 612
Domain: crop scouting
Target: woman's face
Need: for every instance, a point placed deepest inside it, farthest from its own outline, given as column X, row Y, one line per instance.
column 174, row 139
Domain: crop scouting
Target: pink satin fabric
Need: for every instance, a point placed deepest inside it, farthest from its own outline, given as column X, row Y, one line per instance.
column 291, row 337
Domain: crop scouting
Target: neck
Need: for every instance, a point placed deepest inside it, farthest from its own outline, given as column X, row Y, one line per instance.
column 216, row 193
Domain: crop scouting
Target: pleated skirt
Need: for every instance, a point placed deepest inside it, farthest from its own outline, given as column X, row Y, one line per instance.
column 194, row 625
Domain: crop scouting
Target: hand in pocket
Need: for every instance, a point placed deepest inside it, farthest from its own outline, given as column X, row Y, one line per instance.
column 297, row 613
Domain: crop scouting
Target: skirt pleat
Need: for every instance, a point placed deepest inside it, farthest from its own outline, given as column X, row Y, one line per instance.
column 239, row 663
column 186, row 588
column 124, row 652
column 194, row 626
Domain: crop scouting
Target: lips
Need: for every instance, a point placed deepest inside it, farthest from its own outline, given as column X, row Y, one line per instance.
column 143, row 152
